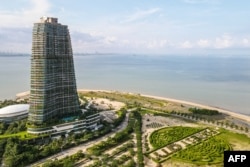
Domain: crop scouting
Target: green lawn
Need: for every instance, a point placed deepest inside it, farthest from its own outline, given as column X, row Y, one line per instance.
column 238, row 141
column 21, row 135
column 144, row 111
column 231, row 136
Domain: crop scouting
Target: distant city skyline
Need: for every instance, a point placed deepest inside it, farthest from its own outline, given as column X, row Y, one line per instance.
column 154, row 27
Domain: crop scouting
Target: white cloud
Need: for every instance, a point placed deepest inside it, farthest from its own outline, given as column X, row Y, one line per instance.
column 246, row 42
column 203, row 43
column 24, row 17
column 163, row 43
column 110, row 39
column 140, row 15
column 99, row 41
column 221, row 42
column 92, row 41
column 202, row 1
column 186, row 45
column 125, row 41
column 225, row 41
column 156, row 44
column 20, row 22
column 86, row 37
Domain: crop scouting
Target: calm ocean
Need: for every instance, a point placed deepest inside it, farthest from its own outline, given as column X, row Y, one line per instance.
column 216, row 81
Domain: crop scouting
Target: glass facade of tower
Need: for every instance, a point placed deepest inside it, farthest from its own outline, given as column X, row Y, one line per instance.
column 53, row 92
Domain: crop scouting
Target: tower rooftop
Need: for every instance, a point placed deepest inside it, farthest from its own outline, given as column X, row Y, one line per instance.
column 45, row 19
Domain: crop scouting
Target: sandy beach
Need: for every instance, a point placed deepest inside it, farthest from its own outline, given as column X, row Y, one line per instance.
column 233, row 114
column 236, row 115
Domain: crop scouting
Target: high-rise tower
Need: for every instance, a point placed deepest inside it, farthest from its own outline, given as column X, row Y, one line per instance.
column 53, row 92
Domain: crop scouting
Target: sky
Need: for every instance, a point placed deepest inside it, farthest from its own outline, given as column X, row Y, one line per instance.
column 133, row 26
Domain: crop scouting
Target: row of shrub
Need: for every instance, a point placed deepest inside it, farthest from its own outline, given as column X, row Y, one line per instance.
column 203, row 111
column 138, row 126
column 69, row 161
column 119, row 137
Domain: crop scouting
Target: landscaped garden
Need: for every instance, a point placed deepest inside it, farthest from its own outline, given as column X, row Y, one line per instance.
column 168, row 135
column 206, row 153
column 181, row 142
column 201, row 146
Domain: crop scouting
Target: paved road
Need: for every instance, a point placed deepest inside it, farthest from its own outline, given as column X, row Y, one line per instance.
column 84, row 146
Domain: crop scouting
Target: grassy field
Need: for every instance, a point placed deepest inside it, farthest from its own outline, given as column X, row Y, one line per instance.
column 136, row 100
column 237, row 141
column 21, row 135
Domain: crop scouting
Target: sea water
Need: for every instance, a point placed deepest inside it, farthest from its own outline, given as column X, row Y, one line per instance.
column 220, row 81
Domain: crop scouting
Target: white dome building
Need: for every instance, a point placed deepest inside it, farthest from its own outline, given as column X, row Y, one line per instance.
column 14, row 112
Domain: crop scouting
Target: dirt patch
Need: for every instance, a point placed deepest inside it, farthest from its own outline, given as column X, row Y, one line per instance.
column 105, row 104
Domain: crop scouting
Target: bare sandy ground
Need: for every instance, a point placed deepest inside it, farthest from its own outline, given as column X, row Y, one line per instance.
column 106, row 104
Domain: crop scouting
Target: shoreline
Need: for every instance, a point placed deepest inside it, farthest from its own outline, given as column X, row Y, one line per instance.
column 231, row 113
column 224, row 111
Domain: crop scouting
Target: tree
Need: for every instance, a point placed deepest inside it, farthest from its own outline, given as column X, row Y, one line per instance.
column 51, row 163
column 232, row 125
column 105, row 158
column 2, row 146
column 227, row 124
column 46, row 151
column 131, row 152
column 68, row 162
column 3, row 127
column 10, row 157
column 236, row 127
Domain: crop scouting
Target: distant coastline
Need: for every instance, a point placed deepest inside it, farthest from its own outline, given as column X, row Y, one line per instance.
column 13, row 54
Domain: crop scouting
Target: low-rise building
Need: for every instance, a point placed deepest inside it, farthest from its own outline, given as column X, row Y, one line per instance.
column 91, row 122
column 14, row 112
